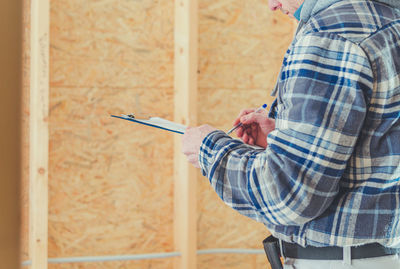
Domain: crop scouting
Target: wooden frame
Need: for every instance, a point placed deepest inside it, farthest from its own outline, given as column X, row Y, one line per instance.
column 39, row 133
column 185, row 94
column 185, row 112
column 185, row 109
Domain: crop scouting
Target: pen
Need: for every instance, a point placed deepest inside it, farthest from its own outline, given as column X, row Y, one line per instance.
column 264, row 106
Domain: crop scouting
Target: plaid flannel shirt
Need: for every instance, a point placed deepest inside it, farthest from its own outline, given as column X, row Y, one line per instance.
column 331, row 172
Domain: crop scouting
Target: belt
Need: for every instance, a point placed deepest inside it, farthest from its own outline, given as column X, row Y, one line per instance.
column 336, row 253
column 274, row 250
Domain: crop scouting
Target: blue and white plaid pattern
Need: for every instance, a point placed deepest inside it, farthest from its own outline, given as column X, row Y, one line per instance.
column 331, row 172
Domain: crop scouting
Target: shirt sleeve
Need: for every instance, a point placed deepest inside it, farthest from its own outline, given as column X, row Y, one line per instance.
column 324, row 90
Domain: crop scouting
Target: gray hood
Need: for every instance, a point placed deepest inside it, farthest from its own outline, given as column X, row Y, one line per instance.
column 311, row 7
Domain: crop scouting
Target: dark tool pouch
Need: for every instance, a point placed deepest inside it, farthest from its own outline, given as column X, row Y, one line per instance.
column 272, row 249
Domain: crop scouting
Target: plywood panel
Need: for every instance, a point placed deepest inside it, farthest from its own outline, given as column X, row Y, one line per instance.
column 222, row 227
column 110, row 180
column 233, row 261
column 241, row 44
column 113, row 30
column 75, row 71
column 239, row 75
column 142, row 264
column 219, row 107
column 117, row 56
column 111, row 187
column 241, row 49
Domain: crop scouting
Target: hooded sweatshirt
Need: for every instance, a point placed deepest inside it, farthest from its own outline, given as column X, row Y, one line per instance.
column 311, row 7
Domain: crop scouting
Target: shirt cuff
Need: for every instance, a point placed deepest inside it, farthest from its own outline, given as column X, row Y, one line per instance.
column 208, row 148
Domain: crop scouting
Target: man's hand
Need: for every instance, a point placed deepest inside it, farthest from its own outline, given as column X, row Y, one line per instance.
column 191, row 142
column 255, row 128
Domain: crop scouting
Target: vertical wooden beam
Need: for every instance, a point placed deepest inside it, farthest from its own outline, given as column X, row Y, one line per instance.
column 39, row 133
column 185, row 83
column 10, row 103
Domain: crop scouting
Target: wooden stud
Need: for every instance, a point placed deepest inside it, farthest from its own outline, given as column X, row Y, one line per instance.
column 39, row 133
column 185, row 95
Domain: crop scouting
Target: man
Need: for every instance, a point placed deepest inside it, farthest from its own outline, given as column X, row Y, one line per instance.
column 327, row 183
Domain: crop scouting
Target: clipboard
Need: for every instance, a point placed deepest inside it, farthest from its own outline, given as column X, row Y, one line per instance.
column 156, row 122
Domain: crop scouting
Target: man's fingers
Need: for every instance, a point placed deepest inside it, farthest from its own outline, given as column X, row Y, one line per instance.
column 254, row 118
column 246, row 111
column 250, row 135
column 251, row 140
column 254, row 130
column 241, row 114
column 247, row 119
column 239, row 132
column 245, row 138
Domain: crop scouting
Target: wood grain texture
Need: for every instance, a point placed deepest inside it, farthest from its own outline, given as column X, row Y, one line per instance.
column 111, row 186
column 233, row 261
column 111, row 181
column 39, row 133
column 142, row 264
column 185, row 112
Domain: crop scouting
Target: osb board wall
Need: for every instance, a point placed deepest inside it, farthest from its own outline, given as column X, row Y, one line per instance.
column 111, row 181
column 111, row 186
column 240, row 52
column 142, row 264
column 228, row 261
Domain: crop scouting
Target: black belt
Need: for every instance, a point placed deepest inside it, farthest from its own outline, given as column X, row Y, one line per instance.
column 290, row 250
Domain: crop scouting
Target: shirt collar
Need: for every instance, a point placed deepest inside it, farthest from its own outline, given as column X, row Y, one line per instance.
column 297, row 13
column 312, row 7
